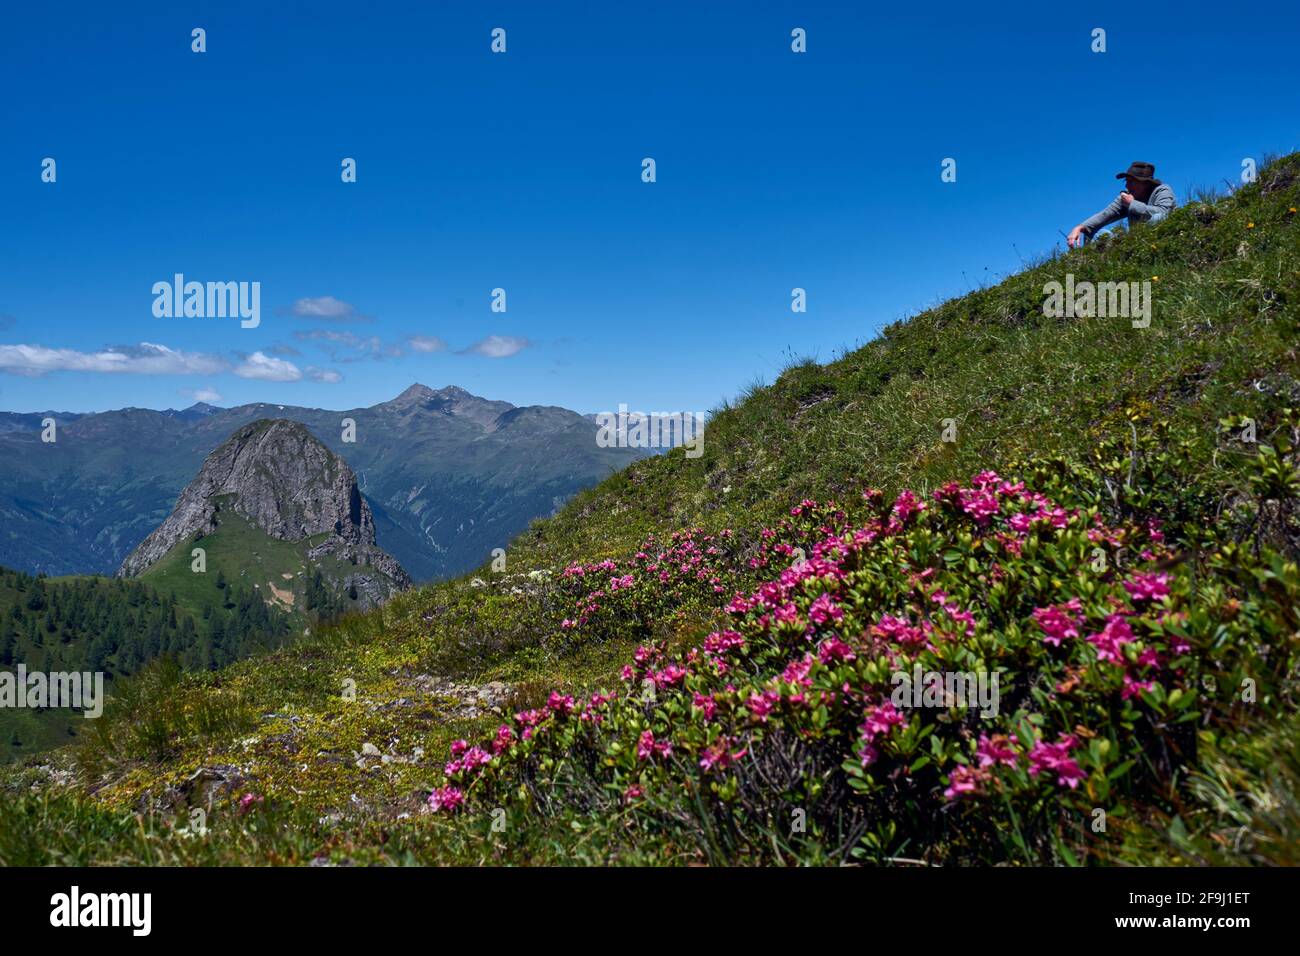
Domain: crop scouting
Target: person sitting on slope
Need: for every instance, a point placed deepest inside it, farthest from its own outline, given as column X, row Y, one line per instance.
column 1144, row 199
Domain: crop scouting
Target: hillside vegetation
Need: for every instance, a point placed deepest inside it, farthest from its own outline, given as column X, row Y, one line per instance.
column 692, row 662
column 240, row 557
column 118, row 627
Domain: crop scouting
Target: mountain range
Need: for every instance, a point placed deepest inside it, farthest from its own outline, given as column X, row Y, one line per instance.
column 447, row 475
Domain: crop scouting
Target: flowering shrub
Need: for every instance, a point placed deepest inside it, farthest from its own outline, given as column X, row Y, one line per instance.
column 609, row 598
column 795, row 722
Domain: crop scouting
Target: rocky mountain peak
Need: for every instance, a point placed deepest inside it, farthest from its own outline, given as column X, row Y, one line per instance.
column 414, row 395
column 279, row 477
column 452, row 401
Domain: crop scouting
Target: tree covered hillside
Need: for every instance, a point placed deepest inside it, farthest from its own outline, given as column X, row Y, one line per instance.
column 117, row 626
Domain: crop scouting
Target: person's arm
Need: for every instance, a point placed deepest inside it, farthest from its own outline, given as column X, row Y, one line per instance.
column 1112, row 213
column 1162, row 204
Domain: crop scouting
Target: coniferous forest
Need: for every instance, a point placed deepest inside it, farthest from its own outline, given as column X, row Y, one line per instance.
column 118, row 625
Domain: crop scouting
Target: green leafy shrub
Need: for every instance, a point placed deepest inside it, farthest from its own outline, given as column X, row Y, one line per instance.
column 835, row 717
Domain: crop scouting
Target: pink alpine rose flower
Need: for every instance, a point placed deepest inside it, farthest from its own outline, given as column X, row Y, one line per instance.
column 1110, row 642
column 997, row 749
column 964, row 781
column 824, row 609
column 760, row 705
column 1056, row 758
column 445, row 798
column 833, row 650
column 705, row 704
column 1148, row 587
column 1059, row 622
column 906, row 505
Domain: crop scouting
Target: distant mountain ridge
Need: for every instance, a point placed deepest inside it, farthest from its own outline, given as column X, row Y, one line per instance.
column 449, row 475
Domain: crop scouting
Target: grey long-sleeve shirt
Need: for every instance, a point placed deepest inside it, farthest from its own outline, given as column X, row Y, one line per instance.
column 1160, row 204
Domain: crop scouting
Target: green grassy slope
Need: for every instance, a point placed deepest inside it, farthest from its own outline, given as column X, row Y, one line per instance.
column 1226, row 283
column 240, row 554
column 24, row 732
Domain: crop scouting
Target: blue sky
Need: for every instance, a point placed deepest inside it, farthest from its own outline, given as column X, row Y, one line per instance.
column 522, row 171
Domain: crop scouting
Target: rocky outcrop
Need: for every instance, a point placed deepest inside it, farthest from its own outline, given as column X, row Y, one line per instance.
column 278, row 476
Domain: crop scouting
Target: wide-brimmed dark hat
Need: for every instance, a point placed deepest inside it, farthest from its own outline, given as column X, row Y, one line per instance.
column 1143, row 172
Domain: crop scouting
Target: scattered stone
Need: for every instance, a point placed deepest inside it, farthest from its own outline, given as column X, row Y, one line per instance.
column 452, row 698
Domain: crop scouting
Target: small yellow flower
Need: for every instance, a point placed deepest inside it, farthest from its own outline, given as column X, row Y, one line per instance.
column 1292, row 209
column 1155, row 278
column 1250, row 225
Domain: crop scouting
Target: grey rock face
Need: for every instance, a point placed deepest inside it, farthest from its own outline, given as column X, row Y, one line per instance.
column 278, row 476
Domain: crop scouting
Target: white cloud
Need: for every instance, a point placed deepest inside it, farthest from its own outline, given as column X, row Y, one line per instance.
column 426, row 343
column 261, row 366
column 327, row 375
column 338, row 345
column 146, row 358
column 498, row 346
column 209, row 395
column 328, row 308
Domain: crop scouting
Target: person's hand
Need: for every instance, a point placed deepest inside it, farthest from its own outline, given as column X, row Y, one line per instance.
column 1126, row 198
column 1075, row 237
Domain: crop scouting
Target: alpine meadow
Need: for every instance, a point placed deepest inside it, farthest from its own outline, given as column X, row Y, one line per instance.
column 790, row 461
column 692, row 654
